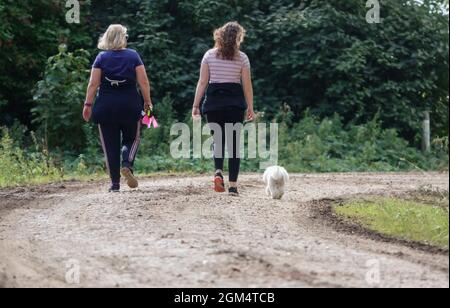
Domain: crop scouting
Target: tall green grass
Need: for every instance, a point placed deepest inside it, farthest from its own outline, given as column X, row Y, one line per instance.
column 18, row 166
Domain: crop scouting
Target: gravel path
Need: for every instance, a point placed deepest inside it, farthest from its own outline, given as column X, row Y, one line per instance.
column 176, row 232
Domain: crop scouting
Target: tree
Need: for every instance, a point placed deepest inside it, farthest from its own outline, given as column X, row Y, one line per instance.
column 30, row 32
column 313, row 55
column 59, row 100
column 328, row 59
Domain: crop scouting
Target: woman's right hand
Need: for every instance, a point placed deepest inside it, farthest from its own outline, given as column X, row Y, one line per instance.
column 196, row 113
column 148, row 106
column 87, row 113
column 250, row 114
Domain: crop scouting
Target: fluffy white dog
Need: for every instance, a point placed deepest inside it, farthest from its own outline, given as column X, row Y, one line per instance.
column 276, row 179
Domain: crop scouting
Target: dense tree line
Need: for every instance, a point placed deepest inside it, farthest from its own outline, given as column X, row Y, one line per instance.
column 316, row 55
column 30, row 32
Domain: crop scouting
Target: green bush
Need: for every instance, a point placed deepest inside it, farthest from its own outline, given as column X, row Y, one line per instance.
column 157, row 141
column 317, row 55
column 30, row 32
column 327, row 145
column 59, row 100
column 18, row 167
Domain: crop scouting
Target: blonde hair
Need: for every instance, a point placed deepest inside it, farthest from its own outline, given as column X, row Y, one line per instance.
column 114, row 38
column 228, row 40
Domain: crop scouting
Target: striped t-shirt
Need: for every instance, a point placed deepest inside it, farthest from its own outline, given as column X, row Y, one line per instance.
column 225, row 71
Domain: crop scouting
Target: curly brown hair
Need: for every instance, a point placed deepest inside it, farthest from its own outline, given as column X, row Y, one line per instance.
column 228, row 40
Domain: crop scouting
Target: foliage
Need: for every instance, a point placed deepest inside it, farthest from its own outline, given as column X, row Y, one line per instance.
column 351, row 94
column 337, row 63
column 157, row 141
column 30, row 32
column 314, row 145
column 59, row 97
column 317, row 55
column 20, row 167
column 329, row 145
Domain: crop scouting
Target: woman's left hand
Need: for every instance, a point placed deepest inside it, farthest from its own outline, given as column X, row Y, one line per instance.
column 250, row 114
column 87, row 113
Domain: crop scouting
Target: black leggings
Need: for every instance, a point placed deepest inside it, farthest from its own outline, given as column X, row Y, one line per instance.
column 119, row 140
column 227, row 134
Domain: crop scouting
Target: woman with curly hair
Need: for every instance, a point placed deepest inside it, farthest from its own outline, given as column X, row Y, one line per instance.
column 226, row 83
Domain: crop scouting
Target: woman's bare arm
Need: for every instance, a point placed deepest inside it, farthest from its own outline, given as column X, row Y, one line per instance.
column 248, row 91
column 94, row 83
column 144, row 84
column 201, row 88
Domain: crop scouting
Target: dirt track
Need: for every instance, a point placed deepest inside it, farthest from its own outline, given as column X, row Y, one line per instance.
column 175, row 232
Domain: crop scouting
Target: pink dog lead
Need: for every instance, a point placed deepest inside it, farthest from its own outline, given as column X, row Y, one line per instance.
column 150, row 120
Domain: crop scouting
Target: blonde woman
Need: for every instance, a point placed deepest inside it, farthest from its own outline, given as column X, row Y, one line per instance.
column 226, row 83
column 118, row 106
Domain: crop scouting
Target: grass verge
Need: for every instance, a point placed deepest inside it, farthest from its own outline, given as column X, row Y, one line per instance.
column 425, row 221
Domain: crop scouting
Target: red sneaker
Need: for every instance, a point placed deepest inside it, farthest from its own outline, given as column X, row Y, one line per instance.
column 219, row 184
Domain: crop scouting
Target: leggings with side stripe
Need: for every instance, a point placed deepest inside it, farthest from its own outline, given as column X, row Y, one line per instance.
column 119, row 142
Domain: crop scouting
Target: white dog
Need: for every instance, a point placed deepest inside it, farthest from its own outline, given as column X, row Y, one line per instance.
column 276, row 179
